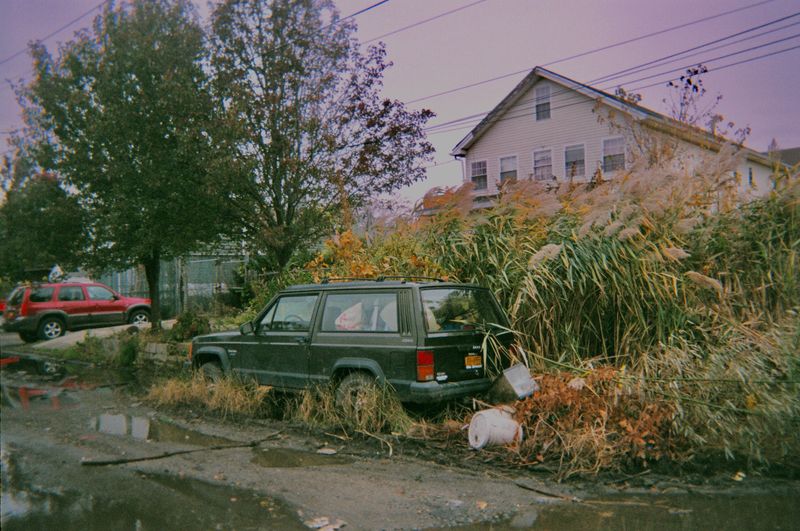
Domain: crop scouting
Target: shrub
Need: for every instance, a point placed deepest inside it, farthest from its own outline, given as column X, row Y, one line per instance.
column 189, row 324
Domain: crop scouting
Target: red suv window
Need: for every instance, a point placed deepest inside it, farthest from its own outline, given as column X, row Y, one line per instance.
column 97, row 293
column 41, row 294
column 70, row 293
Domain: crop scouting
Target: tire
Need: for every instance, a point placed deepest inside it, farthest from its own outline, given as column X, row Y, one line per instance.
column 28, row 337
column 51, row 328
column 211, row 371
column 139, row 317
column 353, row 396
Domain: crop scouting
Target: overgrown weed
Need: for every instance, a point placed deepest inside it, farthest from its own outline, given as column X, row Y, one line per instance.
column 377, row 410
column 229, row 397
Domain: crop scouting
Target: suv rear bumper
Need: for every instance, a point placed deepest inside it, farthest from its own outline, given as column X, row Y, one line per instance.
column 423, row 392
column 21, row 324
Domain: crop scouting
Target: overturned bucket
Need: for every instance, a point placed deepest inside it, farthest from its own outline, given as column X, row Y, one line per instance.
column 493, row 426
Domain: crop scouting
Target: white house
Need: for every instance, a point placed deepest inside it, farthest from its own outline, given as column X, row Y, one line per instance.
column 552, row 128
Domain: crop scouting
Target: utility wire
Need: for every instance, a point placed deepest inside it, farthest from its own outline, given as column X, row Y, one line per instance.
column 353, row 15
column 642, row 87
column 59, row 30
column 663, row 60
column 421, row 22
column 594, row 50
column 641, row 68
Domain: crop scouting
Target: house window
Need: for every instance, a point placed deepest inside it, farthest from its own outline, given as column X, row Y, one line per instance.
column 543, row 165
column 613, row 154
column 542, row 102
column 478, row 174
column 508, row 169
column 750, row 177
column 574, row 162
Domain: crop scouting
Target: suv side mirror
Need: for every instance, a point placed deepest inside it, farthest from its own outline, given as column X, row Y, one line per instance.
column 246, row 328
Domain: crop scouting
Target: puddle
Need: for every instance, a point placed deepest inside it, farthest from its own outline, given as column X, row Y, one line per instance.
column 147, row 502
column 286, row 458
column 664, row 512
column 145, row 429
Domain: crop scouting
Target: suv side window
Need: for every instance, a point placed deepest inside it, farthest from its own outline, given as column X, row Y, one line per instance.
column 41, row 294
column 360, row 312
column 98, row 293
column 70, row 293
column 290, row 313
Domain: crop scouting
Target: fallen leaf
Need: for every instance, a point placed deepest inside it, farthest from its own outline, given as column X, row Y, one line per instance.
column 326, row 451
column 481, row 505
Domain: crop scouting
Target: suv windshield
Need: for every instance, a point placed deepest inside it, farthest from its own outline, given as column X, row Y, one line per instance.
column 454, row 309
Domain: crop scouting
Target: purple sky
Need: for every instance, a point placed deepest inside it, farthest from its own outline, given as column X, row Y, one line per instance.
column 497, row 37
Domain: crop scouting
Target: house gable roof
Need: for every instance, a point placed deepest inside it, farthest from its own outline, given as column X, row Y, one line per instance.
column 654, row 119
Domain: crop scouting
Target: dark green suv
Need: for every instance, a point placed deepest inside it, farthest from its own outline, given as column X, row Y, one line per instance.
column 425, row 338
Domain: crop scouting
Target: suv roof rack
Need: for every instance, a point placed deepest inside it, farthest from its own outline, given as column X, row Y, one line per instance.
column 381, row 278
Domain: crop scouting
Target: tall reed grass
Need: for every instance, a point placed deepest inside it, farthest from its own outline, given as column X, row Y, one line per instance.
column 686, row 291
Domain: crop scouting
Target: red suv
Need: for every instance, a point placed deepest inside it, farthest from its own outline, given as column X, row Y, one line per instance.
column 46, row 311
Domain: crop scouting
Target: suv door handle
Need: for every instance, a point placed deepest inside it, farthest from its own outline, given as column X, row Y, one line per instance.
column 301, row 340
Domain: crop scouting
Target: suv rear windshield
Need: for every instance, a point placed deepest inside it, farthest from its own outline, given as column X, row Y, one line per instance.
column 16, row 297
column 457, row 309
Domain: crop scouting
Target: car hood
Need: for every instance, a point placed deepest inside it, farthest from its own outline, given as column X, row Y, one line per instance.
column 217, row 336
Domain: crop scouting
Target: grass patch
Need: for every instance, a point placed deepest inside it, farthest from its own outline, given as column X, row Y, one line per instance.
column 377, row 410
column 229, row 397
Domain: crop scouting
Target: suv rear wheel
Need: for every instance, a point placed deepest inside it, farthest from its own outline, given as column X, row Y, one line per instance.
column 28, row 337
column 51, row 328
column 356, row 396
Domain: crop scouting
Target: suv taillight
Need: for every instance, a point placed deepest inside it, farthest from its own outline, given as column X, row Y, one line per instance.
column 425, row 372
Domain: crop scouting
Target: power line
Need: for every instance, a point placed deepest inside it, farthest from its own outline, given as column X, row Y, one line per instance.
column 663, row 60
column 353, row 15
column 642, row 87
column 421, row 22
column 59, row 30
column 594, row 50
column 642, row 67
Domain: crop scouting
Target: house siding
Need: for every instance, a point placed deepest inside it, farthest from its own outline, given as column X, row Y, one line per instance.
column 517, row 132
column 575, row 119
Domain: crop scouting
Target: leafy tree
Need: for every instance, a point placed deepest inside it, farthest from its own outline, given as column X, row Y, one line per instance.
column 312, row 134
column 40, row 225
column 127, row 113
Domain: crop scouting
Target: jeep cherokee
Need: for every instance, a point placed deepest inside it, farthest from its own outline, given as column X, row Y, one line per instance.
column 424, row 338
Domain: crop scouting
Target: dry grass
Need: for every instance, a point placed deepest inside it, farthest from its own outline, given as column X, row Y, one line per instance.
column 378, row 411
column 228, row 397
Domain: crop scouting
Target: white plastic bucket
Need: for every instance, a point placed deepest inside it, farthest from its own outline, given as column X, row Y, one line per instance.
column 493, row 426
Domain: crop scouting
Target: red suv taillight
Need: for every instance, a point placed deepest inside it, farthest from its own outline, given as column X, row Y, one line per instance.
column 425, row 372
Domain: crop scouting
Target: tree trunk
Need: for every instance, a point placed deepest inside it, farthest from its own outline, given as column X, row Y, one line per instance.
column 152, row 270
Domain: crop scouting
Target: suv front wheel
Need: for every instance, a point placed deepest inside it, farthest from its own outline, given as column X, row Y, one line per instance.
column 139, row 317
column 51, row 328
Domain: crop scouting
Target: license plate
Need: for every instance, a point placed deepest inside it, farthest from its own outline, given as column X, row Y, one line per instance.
column 473, row 362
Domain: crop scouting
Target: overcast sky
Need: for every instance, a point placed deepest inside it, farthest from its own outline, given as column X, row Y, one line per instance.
column 491, row 38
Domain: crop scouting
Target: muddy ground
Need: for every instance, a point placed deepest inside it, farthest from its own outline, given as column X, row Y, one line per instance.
column 57, row 429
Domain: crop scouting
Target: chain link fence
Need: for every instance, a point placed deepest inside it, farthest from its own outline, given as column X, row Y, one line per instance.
column 193, row 282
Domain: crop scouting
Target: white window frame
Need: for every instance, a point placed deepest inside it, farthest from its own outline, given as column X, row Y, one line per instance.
column 536, row 102
column 500, row 167
column 533, row 164
column 485, row 174
column 603, row 153
column 567, row 175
